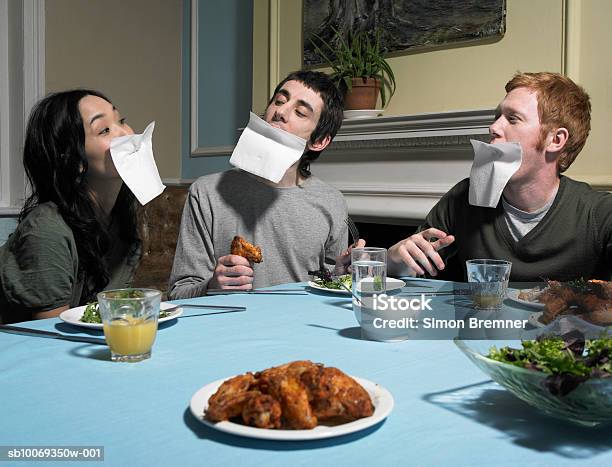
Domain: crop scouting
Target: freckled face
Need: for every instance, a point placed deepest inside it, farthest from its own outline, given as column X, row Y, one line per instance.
column 296, row 109
column 101, row 122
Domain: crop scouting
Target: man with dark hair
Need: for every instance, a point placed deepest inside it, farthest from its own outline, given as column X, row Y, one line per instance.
column 298, row 221
column 331, row 114
column 548, row 225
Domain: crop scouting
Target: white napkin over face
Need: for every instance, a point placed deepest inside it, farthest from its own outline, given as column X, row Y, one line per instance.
column 493, row 166
column 133, row 159
column 266, row 151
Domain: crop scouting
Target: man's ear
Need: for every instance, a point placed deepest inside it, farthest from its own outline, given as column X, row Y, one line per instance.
column 319, row 145
column 557, row 140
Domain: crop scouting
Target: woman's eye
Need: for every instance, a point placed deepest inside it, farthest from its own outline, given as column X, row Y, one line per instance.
column 106, row 130
column 123, row 120
column 299, row 114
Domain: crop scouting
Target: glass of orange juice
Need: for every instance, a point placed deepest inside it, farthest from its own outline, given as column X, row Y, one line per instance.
column 129, row 318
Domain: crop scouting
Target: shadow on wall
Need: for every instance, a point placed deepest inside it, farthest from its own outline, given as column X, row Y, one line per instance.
column 7, row 227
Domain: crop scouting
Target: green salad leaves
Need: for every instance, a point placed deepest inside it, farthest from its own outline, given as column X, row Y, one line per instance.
column 92, row 313
column 335, row 283
column 568, row 360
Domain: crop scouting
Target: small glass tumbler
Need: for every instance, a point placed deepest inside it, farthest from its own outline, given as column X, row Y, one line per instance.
column 488, row 280
column 129, row 318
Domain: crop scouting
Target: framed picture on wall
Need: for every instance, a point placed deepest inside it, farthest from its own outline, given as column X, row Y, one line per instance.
column 403, row 24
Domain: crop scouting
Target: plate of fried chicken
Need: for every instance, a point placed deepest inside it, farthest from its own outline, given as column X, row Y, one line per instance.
column 590, row 300
column 300, row 400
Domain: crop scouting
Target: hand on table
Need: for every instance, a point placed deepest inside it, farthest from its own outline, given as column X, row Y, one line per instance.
column 417, row 253
column 343, row 262
column 232, row 272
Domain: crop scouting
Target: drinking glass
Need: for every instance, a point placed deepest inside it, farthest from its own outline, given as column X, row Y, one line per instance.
column 369, row 276
column 488, row 280
column 129, row 318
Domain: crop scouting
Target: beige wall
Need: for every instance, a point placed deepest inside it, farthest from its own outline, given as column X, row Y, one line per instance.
column 590, row 64
column 131, row 51
column 473, row 76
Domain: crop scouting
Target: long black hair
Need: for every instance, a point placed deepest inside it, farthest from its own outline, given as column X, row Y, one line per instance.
column 330, row 120
column 56, row 166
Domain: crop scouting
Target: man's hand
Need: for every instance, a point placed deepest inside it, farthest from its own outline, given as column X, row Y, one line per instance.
column 232, row 272
column 343, row 262
column 417, row 253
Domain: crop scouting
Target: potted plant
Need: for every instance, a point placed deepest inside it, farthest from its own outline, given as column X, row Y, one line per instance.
column 359, row 68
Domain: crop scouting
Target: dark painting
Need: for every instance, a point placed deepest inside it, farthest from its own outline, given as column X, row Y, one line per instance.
column 403, row 24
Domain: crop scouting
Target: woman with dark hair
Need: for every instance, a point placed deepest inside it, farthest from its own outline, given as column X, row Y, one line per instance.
column 78, row 230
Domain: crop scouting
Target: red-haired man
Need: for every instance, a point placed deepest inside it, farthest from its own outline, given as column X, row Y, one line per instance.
column 546, row 224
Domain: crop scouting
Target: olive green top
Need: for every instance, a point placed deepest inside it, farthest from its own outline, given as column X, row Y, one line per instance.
column 39, row 266
column 573, row 239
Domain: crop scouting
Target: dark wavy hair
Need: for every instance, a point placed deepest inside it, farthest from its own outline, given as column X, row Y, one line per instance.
column 331, row 116
column 56, row 166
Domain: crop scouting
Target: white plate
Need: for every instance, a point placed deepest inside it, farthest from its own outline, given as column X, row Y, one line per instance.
column 362, row 113
column 534, row 319
column 392, row 284
column 381, row 398
column 73, row 315
column 513, row 295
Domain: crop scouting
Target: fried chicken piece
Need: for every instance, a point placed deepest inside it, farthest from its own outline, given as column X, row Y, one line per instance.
column 283, row 383
column 262, row 411
column 335, row 395
column 553, row 306
column 295, row 368
column 230, row 398
column 592, row 301
column 598, row 305
column 245, row 249
column 530, row 295
column 603, row 289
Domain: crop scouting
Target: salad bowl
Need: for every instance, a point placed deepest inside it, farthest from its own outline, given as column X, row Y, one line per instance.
column 589, row 404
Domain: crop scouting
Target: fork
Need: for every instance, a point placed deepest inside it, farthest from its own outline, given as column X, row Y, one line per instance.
column 352, row 229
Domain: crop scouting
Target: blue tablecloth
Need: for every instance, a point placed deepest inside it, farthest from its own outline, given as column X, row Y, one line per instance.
column 446, row 411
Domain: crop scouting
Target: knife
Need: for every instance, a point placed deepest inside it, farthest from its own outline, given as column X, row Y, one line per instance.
column 211, row 307
column 50, row 334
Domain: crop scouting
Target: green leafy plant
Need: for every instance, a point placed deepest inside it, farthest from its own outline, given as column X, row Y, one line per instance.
column 359, row 55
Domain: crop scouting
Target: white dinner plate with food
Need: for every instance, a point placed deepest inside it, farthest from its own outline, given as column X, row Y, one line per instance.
column 534, row 319
column 392, row 284
column 381, row 399
column 514, row 296
column 73, row 315
column 362, row 113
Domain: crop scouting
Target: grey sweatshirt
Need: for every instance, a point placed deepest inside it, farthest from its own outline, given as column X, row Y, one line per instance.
column 298, row 228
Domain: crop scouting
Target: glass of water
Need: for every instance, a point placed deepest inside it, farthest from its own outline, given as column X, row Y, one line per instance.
column 488, row 280
column 369, row 280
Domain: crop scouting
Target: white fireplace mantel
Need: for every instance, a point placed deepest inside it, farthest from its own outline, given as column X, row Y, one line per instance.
column 394, row 169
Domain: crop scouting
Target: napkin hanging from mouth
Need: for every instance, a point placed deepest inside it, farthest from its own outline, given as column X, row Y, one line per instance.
column 266, row 151
column 493, row 166
column 133, row 159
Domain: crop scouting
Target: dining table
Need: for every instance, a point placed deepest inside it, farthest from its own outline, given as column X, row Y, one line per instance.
column 445, row 410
